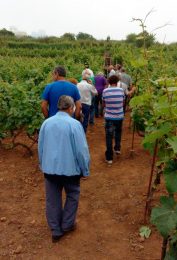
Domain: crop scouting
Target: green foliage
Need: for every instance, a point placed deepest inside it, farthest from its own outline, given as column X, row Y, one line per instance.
column 140, row 39
column 173, row 143
column 84, row 36
column 68, row 36
column 5, row 32
column 155, row 112
column 20, row 109
column 165, row 216
column 158, row 133
column 131, row 38
column 170, row 174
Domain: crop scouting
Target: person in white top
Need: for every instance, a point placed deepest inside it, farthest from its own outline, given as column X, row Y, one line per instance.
column 111, row 71
column 87, row 90
column 87, row 70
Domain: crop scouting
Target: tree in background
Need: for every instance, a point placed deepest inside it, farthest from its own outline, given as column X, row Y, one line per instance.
column 68, row 36
column 131, row 38
column 5, row 32
column 84, row 36
column 138, row 39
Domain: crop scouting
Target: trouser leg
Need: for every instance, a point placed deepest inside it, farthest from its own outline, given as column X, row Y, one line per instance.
column 125, row 104
column 96, row 106
column 92, row 111
column 54, row 206
column 109, row 129
column 72, row 190
column 85, row 111
column 101, row 104
column 118, row 134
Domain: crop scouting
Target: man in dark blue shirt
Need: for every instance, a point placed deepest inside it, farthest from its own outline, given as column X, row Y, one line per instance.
column 55, row 90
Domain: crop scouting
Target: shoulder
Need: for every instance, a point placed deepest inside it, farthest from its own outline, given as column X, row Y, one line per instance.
column 106, row 90
column 119, row 89
column 48, row 86
column 73, row 89
column 75, row 124
column 69, row 84
column 48, row 122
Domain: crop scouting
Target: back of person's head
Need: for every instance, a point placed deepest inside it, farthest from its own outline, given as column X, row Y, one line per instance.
column 118, row 66
column 123, row 69
column 86, row 65
column 60, row 70
column 65, row 102
column 113, row 79
column 86, row 76
column 100, row 73
column 111, row 67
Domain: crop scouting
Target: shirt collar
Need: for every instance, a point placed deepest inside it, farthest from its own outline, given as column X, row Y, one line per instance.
column 62, row 113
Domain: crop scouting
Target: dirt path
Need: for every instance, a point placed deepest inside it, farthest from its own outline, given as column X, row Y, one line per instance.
column 109, row 216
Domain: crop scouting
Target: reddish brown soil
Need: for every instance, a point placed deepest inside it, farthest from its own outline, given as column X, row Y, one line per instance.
column 110, row 212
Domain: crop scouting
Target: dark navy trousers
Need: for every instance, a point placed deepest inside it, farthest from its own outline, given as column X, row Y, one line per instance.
column 113, row 129
column 61, row 217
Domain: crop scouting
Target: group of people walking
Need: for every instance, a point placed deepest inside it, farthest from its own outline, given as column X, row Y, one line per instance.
column 62, row 146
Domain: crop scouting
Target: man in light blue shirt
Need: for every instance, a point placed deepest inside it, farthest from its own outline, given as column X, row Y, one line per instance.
column 64, row 158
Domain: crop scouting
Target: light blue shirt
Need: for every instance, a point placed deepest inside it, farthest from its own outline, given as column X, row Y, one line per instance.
column 62, row 146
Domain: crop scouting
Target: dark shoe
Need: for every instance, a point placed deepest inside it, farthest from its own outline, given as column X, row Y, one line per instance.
column 55, row 239
column 66, row 231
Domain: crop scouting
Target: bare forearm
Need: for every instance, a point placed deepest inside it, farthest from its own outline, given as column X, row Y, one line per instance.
column 44, row 108
column 45, row 112
column 78, row 110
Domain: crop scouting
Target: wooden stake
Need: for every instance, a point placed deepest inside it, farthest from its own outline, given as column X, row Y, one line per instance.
column 164, row 248
column 150, row 180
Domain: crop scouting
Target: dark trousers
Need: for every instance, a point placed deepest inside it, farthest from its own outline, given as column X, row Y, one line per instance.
column 92, row 111
column 61, row 218
column 113, row 128
column 86, row 113
column 98, row 102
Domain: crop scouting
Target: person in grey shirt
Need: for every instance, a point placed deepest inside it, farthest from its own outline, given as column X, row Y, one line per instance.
column 125, row 78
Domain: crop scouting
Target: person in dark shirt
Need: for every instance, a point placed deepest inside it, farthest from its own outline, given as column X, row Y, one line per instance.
column 100, row 83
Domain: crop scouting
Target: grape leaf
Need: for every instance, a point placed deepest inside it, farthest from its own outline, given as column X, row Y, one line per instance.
column 170, row 173
column 173, row 143
column 165, row 216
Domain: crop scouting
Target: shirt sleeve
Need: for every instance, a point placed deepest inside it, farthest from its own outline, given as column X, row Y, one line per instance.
column 93, row 90
column 45, row 94
column 81, row 149
column 104, row 81
column 76, row 95
column 103, row 95
column 40, row 144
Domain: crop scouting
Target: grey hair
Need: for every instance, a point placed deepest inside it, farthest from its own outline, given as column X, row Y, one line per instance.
column 85, row 76
column 100, row 73
column 65, row 102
